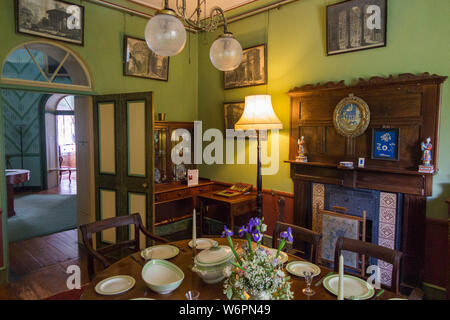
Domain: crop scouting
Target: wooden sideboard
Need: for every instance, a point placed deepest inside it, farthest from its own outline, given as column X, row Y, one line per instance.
column 175, row 201
column 411, row 103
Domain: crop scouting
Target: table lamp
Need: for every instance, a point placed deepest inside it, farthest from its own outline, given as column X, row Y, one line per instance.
column 258, row 115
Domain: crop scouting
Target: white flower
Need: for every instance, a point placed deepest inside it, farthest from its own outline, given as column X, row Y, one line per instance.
column 263, row 228
column 280, row 273
column 227, row 271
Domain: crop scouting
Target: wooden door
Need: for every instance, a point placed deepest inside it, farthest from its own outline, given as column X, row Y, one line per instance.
column 123, row 156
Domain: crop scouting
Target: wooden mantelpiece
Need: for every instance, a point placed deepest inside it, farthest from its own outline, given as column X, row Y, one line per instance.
column 408, row 102
column 376, row 178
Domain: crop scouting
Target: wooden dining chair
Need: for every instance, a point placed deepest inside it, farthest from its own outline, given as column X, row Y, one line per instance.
column 301, row 236
column 370, row 250
column 100, row 254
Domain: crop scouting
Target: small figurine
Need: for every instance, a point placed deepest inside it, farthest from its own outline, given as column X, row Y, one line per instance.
column 426, row 148
column 301, row 151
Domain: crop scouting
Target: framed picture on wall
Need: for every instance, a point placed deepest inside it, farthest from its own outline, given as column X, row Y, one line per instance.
column 251, row 72
column 385, row 144
column 53, row 19
column 140, row 61
column 355, row 25
column 233, row 112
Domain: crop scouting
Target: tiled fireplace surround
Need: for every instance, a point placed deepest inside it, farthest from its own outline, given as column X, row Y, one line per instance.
column 383, row 209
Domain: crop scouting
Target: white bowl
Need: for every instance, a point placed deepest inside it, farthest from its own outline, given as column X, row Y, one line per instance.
column 162, row 276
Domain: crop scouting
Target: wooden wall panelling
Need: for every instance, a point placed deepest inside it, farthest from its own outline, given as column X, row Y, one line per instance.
column 413, row 239
column 435, row 245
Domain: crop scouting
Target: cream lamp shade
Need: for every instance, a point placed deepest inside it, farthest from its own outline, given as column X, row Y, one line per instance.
column 258, row 114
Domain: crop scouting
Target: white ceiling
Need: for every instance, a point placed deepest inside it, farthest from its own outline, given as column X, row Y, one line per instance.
column 191, row 4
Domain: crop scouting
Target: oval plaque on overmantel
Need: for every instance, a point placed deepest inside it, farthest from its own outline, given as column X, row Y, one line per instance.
column 351, row 116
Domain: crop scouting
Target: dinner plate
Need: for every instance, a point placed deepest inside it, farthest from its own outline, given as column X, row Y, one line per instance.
column 283, row 256
column 397, row 299
column 354, row 288
column 142, row 299
column 115, row 285
column 162, row 252
column 203, row 243
column 298, row 267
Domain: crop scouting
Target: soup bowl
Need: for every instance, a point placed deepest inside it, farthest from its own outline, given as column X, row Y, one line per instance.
column 162, row 276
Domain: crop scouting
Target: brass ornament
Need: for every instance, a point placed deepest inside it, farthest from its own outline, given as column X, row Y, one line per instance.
column 351, row 116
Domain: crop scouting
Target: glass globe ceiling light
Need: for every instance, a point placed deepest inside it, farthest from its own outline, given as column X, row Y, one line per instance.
column 165, row 33
column 226, row 52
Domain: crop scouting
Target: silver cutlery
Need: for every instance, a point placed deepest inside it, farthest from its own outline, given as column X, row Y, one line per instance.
column 318, row 283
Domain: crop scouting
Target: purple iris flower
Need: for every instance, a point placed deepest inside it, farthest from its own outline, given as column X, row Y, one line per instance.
column 242, row 231
column 253, row 223
column 257, row 236
column 287, row 235
column 227, row 232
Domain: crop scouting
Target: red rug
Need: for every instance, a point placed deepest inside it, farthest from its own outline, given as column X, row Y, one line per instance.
column 74, row 294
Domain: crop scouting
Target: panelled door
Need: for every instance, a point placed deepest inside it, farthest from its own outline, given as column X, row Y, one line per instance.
column 123, row 155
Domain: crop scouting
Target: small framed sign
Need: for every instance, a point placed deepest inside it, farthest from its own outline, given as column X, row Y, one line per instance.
column 385, row 144
column 192, row 177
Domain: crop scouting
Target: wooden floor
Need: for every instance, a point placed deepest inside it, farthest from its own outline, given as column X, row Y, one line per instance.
column 65, row 186
column 38, row 266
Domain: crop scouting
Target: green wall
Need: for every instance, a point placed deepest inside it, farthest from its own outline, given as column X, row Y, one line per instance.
column 417, row 41
column 103, row 54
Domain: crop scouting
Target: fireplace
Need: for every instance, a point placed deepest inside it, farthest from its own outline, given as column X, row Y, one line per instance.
column 393, row 193
column 383, row 215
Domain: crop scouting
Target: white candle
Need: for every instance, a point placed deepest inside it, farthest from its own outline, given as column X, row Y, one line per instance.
column 341, row 278
column 194, row 230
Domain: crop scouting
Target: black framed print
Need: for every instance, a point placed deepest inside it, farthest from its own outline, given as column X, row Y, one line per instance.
column 251, row 72
column 355, row 25
column 385, row 144
column 52, row 19
column 140, row 61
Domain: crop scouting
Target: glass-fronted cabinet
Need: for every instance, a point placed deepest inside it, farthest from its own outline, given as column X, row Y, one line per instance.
column 167, row 144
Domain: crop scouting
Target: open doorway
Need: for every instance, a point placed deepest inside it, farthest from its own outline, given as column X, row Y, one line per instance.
column 61, row 148
column 35, row 241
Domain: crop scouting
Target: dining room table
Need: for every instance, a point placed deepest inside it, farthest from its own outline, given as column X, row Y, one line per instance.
column 132, row 266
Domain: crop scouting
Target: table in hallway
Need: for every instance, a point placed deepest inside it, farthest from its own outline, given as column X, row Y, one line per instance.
column 14, row 176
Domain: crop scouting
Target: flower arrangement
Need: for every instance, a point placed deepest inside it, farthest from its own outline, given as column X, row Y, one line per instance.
column 257, row 273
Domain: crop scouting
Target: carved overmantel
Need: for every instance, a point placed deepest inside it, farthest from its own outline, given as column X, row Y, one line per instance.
column 409, row 102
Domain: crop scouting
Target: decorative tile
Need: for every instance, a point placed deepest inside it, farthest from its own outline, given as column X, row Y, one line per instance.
column 384, row 265
column 387, row 215
column 318, row 189
column 386, row 243
column 387, row 231
column 386, row 276
column 388, row 200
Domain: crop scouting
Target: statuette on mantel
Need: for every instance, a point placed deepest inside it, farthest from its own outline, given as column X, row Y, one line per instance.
column 426, row 166
column 301, row 151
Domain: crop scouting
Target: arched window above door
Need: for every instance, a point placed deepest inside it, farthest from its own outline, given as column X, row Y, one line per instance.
column 45, row 64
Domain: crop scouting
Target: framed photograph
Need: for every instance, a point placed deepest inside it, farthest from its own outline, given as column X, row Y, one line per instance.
column 140, row 61
column 233, row 112
column 53, row 19
column 355, row 25
column 251, row 72
column 385, row 144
